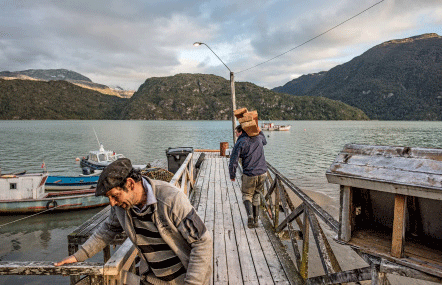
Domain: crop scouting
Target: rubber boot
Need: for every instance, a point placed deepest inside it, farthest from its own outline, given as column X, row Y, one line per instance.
column 255, row 216
column 249, row 211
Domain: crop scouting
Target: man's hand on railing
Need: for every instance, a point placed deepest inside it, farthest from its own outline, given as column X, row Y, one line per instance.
column 69, row 259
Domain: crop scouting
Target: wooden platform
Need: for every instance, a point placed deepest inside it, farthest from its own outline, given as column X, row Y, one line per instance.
column 241, row 255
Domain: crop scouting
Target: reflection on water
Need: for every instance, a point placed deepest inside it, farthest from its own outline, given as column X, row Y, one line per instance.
column 303, row 154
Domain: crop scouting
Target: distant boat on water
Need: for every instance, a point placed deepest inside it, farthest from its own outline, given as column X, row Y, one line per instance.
column 273, row 127
column 98, row 160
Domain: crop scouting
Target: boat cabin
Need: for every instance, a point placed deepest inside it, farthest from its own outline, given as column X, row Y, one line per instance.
column 102, row 155
column 391, row 202
column 26, row 186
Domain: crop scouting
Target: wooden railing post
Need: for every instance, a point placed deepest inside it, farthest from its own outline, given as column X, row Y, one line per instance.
column 277, row 200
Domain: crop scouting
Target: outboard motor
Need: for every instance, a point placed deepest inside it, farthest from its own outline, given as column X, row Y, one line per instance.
column 87, row 171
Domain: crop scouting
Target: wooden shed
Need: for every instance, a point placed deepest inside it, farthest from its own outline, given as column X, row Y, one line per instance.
column 391, row 203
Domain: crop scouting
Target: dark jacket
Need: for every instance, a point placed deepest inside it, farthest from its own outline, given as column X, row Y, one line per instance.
column 251, row 151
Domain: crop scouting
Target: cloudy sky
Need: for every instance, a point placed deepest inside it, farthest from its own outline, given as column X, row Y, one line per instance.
column 124, row 42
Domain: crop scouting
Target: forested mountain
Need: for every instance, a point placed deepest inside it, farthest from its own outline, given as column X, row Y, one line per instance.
column 179, row 97
column 396, row 80
column 208, row 97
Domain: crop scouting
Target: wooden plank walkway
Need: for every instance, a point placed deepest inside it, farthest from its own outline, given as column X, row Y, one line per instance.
column 241, row 255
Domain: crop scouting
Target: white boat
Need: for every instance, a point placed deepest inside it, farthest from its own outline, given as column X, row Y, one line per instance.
column 273, row 127
column 25, row 193
column 98, row 160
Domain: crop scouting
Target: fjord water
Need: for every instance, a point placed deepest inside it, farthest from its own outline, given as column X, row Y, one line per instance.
column 302, row 154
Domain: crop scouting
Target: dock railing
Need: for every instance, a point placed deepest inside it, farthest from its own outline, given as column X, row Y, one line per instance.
column 306, row 217
column 183, row 178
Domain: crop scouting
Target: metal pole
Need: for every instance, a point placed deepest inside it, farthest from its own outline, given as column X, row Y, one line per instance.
column 232, row 88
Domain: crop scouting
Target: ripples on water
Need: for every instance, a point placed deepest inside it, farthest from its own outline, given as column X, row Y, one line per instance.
column 303, row 154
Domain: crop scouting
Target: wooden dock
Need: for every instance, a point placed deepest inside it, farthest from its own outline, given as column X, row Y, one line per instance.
column 240, row 255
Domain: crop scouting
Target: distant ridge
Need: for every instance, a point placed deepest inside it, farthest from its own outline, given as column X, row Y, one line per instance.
column 399, row 79
column 66, row 75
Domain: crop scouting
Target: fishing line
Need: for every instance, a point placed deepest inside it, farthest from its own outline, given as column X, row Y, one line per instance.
column 314, row 37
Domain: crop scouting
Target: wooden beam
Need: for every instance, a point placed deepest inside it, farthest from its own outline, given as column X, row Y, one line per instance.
column 394, row 268
column 290, row 227
column 305, row 244
column 48, row 268
column 293, row 215
column 355, row 275
column 328, row 258
column 398, row 238
column 346, row 214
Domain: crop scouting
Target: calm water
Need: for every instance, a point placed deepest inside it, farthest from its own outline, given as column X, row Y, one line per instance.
column 303, row 154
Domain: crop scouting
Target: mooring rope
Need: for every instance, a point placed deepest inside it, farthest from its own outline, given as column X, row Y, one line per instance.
column 50, row 209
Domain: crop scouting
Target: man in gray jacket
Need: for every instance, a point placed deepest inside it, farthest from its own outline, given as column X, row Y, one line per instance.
column 173, row 243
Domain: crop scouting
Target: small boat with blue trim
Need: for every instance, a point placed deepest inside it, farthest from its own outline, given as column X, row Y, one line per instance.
column 63, row 183
column 25, row 193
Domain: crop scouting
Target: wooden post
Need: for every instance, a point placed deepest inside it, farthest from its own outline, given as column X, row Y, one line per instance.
column 377, row 277
column 398, row 238
column 222, row 148
column 346, row 213
column 305, row 244
column 277, row 200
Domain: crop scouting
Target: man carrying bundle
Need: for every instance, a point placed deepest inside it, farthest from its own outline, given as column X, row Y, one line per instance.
column 251, row 151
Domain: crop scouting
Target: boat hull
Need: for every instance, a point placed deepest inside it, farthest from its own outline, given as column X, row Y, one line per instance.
column 63, row 183
column 63, row 201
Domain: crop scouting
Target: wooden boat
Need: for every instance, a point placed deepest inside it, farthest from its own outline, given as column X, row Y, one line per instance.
column 273, row 127
column 63, row 183
column 22, row 194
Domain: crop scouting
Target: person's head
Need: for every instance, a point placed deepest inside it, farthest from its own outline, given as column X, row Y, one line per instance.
column 238, row 130
column 120, row 182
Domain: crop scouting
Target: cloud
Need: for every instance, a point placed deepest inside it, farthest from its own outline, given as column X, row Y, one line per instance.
column 121, row 42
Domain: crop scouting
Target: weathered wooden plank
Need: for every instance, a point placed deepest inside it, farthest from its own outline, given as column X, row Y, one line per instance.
column 346, row 213
column 48, row 268
column 393, row 161
column 375, row 244
column 328, row 258
column 281, row 251
column 398, row 239
column 233, row 263
column 210, row 209
column 360, row 274
column 391, row 187
column 204, row 177
column 261, row 267
column 219, row 248
column 275, row 267
column 396, row 269
column 125, row 253
column 245, row 257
